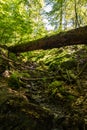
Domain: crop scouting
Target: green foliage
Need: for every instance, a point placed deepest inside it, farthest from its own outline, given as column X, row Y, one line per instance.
column 20, row 21
column 54, row 87
column 65, row 14
column 26, row 20
column 13, row 81
column 70, row 97
column 55, row 84
column 25, row 74
column 69, row 64
column 62, row 89
column 12, row 56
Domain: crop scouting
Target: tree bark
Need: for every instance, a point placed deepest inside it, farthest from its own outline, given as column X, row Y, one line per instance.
column 72, row 37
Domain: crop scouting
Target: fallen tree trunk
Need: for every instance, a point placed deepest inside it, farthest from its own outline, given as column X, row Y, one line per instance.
column 72, row 37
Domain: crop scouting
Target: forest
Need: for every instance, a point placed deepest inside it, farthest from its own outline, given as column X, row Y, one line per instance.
column 43, row 65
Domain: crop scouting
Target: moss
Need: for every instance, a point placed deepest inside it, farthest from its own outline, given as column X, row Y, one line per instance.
column 13, row 81
column 68, row 64
column 62, row 89
column 70, row 97
column 53, row 88
column 55, row 84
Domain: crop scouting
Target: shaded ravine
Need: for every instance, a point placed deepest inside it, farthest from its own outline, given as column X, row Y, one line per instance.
column 63, row 117
column 32, row 107
column 34, row 110
column 37, row 96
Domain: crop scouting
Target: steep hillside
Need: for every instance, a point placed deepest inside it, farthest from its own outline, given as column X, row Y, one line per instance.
column 44, row 90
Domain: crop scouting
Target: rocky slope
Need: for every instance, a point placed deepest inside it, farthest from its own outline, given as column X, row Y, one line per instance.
column 44, row 94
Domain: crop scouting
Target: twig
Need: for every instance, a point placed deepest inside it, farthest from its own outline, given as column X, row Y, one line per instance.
column 35, row 79
column 81, row 70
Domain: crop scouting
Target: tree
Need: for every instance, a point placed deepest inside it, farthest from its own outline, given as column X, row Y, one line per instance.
column 20, row 20
column 76, row 15
column 72, row 37
column 69, row 13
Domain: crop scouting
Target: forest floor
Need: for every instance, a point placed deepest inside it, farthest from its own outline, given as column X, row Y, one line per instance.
column 44, row 90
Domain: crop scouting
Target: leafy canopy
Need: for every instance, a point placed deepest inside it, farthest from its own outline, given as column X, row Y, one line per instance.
column 20, row 20
column 25, row 20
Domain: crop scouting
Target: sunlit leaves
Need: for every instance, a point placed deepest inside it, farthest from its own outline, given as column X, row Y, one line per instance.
column 24, row 20
column 66, row 13
column 20, row 20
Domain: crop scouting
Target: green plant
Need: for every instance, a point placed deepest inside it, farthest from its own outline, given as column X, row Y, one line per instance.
column 62, row 89
column 13, row 81
column 54, row 87
column 55, row 84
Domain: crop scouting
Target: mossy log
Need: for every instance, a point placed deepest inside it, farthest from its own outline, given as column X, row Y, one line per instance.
column 72, row 37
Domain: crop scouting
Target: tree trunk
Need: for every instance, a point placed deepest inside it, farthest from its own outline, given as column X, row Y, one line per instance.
column 76, row 14
column 72, row 37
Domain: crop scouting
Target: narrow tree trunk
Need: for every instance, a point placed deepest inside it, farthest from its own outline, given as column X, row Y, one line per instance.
column 76, row 14
column 61, row 15
column 72, row 37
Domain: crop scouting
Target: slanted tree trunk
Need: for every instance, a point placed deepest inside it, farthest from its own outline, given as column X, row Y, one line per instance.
column 72, row 37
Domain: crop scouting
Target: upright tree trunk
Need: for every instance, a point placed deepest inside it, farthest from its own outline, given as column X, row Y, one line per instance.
column 76, row 14
column 61, row 15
